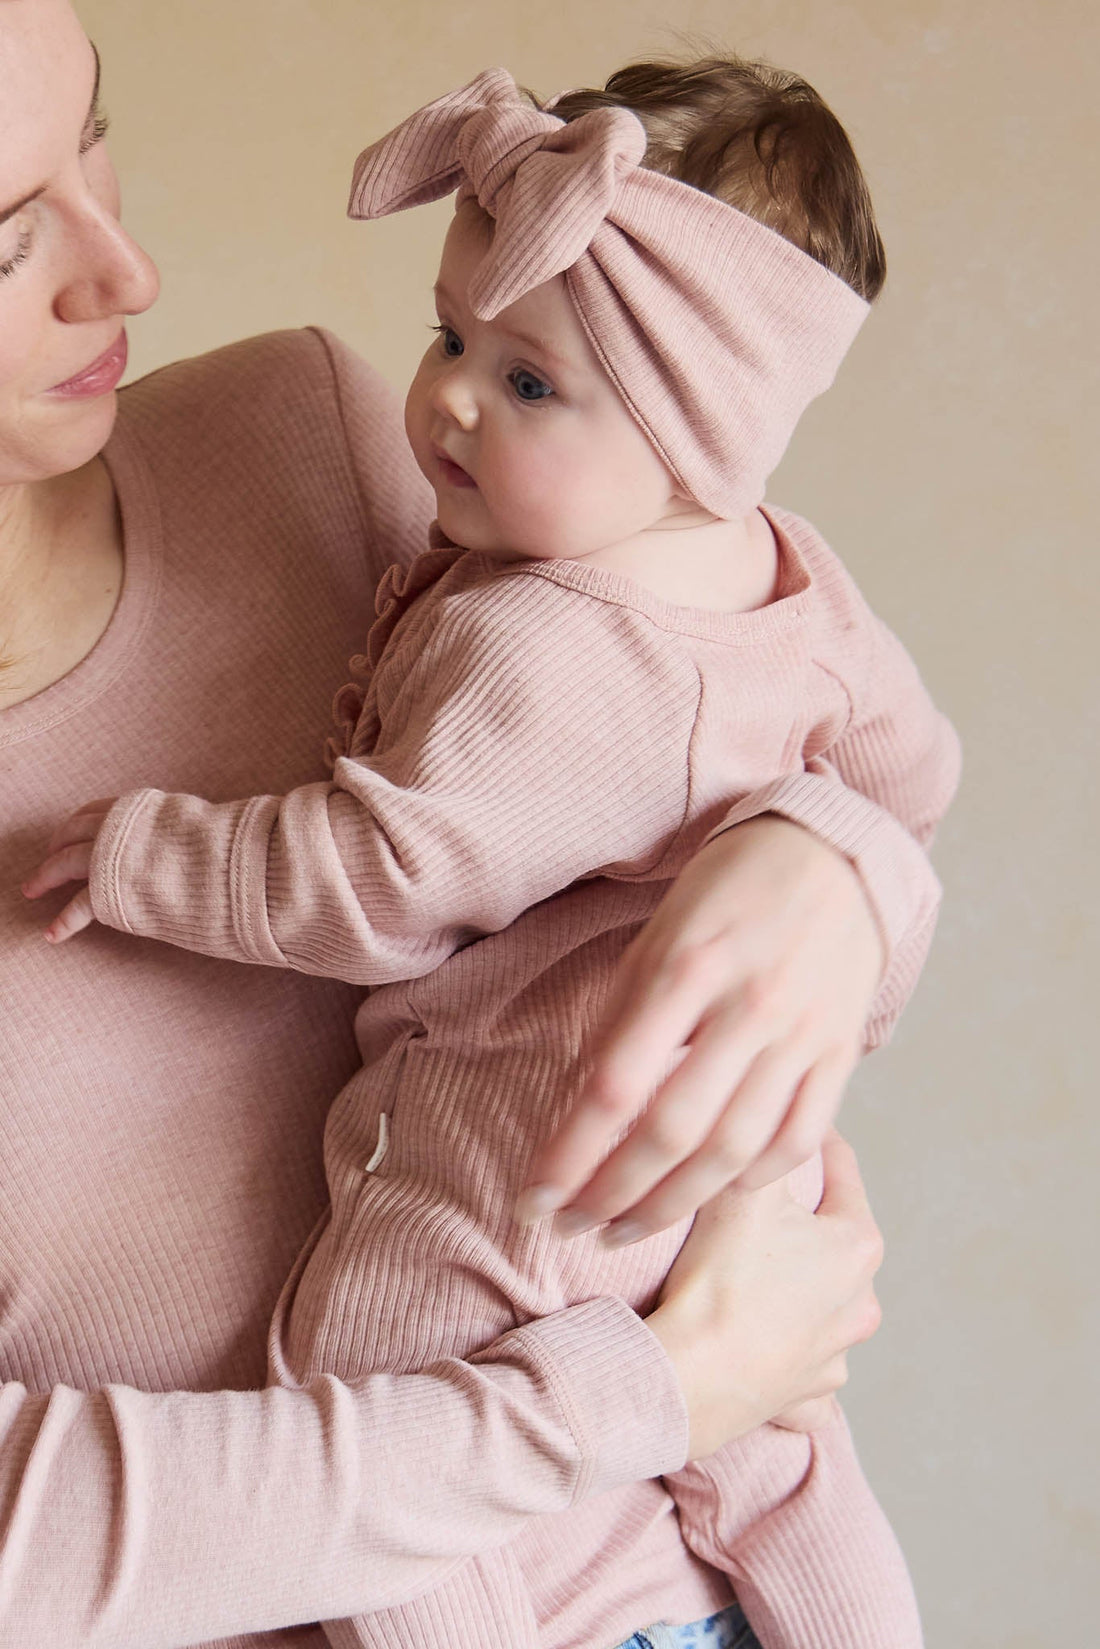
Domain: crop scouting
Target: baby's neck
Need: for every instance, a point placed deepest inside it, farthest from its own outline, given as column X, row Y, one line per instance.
column 728, row 566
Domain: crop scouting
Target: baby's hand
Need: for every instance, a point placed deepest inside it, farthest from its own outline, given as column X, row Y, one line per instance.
column 69, row 859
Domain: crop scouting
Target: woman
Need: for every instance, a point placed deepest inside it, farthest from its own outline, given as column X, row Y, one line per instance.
column 162, row 1113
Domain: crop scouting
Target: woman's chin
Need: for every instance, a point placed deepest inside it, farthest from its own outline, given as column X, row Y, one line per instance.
column 61, row 437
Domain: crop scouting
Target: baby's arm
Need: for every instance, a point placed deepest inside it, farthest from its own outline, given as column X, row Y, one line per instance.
column 738, row 965
column 536, row 736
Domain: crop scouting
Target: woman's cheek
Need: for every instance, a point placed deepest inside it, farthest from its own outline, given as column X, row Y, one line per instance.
column 19, row 330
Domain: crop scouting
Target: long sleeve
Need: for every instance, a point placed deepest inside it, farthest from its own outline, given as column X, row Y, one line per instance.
column 877, row 787
column 517, row 742
column 136, row 1521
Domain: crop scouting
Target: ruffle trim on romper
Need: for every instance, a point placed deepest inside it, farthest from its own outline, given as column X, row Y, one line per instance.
column 353, row 709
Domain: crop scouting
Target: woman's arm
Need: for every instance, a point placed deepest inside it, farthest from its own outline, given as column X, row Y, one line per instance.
column 791, row 942
column 136, row 1521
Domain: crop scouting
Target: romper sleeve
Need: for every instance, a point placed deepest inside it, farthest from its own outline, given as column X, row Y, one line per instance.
column 143, row 1521
column 877, row 789
column 524, row 739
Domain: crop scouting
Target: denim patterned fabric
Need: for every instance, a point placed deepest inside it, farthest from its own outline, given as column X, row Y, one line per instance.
column 728, row 1630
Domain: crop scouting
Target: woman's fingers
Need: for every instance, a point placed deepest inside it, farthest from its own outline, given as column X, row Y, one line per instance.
column 843, row 1195
column 76, row 916
column 812, row 1109
column 766, row 1298
column 742, row 1127
column 68, row 864
column 844, row 1205
column 652, row 1012
column 701, row 1004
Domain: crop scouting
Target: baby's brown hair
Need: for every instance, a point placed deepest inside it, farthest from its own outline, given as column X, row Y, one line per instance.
column 761, row 140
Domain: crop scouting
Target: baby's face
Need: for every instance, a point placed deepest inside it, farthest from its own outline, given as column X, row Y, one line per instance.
column 519, row 430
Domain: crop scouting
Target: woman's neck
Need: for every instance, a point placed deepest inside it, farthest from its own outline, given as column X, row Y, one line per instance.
column 60, row 576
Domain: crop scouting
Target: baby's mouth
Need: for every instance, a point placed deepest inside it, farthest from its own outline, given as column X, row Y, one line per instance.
column 450, row 472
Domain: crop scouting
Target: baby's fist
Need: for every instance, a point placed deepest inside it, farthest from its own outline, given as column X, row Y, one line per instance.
column 69, row 859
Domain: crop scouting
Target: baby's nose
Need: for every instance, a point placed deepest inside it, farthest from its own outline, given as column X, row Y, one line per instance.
column 455, row 399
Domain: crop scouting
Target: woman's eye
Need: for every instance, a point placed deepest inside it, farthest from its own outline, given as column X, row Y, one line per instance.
column 19, row 254
column 450, row 341
column 95, row 132
column 528, row 387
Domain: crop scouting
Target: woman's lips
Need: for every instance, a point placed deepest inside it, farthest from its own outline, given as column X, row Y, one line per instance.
column 451, row 472
column 103, row 375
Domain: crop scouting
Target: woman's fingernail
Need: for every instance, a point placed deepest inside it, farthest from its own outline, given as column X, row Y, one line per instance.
column 573, row 1222
column 536, row 1202
column 620, row 1233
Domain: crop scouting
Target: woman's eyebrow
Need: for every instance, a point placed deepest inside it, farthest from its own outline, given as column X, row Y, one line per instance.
column 10, row 211
column 95, row 84
column 28, row 200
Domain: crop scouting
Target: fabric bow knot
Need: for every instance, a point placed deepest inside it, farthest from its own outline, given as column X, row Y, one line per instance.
column 514, row 160
column 716, row 331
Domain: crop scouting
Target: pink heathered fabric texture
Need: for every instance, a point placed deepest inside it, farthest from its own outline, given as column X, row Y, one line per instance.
column 162, row 1114
column 716, row 331
column 534, row 751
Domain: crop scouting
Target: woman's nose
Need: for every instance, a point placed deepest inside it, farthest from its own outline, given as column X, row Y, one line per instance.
column 111, row 274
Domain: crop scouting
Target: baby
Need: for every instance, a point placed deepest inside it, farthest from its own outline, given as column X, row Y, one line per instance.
column 607, row 642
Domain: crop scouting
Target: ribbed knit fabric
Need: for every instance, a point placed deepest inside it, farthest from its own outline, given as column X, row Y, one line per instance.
column 535, row 750
column 162, row 1114
column 716, row 331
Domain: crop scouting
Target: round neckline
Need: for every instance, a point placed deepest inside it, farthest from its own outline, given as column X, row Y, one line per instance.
column 100, row 668
column 709, row 623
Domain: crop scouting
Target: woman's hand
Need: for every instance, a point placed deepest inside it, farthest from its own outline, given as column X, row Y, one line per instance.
column 764, row 1301
column 757, row 970
column 69, row 859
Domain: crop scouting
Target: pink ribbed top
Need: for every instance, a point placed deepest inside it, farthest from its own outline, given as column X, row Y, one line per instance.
column 535, row 750
column 162, row 1113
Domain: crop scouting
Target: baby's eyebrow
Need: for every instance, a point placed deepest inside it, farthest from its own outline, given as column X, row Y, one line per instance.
column 539, row 347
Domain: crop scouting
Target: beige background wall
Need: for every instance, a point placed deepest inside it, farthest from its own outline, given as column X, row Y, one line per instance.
column 949, row 466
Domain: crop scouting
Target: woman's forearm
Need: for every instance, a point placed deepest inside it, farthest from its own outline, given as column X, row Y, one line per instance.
column 140, row 1520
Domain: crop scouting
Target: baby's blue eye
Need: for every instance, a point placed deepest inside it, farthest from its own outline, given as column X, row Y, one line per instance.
column 528, row 387
column 451, row 342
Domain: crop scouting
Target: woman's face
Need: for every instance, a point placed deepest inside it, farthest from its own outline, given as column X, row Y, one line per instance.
column 69, row 273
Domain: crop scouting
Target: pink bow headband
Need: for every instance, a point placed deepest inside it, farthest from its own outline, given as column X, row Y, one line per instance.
column 716, row 331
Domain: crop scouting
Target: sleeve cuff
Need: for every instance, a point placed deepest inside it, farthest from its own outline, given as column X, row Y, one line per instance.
column 617, row 1390
column 901, row 886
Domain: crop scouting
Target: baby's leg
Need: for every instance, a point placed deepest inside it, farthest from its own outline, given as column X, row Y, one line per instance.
column 793, row 1522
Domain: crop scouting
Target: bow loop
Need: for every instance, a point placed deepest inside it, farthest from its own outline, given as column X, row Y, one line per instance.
column 419, row 160
column 548, row 185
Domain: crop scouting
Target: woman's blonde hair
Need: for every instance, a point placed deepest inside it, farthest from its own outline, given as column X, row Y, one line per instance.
column 761, row 140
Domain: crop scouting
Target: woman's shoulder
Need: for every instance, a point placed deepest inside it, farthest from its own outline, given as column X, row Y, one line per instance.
column 297, row 415
column 267, row 381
